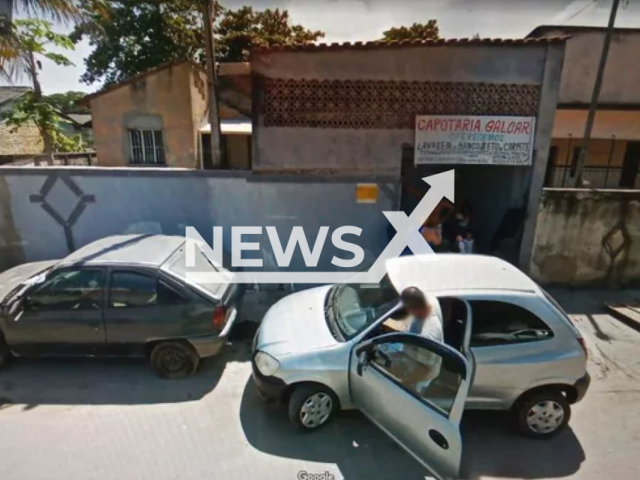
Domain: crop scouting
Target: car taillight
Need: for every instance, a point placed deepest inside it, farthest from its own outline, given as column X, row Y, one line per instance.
column 583, row 344
column 219, row 315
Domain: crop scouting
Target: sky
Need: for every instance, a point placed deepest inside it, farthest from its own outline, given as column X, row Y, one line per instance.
column 363, row 20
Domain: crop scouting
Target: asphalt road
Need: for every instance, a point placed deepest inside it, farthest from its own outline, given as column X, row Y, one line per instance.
column 116, row 420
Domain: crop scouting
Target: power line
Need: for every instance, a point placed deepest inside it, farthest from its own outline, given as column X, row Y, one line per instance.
column 581, row 10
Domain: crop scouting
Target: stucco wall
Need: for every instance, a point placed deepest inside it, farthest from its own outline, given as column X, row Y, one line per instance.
column 624, row 124
column 622, row 73
column 289, row 148
column 117, row 200
column 572, row 225
column 163, row 100
column 11, row 247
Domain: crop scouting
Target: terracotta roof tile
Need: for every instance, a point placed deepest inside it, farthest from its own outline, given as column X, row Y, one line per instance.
column 411, row 43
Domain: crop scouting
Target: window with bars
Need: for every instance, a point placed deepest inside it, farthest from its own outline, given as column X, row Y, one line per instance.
column 146, row 147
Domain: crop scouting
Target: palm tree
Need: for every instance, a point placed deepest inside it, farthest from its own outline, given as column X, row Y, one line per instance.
column 12, row 60
column 19, row 42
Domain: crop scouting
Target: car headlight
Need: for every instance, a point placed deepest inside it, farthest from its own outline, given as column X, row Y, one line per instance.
column 266, row 364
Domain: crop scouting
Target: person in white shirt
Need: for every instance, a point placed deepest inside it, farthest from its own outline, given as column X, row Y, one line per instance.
column 416, row 366
column 424, row 313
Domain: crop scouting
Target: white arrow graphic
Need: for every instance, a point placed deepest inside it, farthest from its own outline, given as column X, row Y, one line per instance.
column 442, row 185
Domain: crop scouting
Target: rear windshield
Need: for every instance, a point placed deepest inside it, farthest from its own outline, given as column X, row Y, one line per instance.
column 565, row 316
column 177, row 265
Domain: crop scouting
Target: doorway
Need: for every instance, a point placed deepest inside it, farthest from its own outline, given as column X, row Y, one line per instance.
column 491, row 199
column 630, row 165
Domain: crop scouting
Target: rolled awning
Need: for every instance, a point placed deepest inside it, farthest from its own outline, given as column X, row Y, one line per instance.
column 231, row 127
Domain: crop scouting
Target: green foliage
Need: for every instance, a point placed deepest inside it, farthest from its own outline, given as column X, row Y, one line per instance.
column 241, row 30
column 26, row 40
column 67, row 102
column 35, row 35
column 32, row 110
column 417, row 31
column 134, row 37
column 60, row 10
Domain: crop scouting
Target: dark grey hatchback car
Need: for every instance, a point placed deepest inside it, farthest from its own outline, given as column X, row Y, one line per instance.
column 123, row 295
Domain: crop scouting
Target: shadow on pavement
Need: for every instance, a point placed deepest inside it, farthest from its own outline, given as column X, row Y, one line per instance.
column 106, row 381
column 350, row 441
column 492, row 448
column 361, row 450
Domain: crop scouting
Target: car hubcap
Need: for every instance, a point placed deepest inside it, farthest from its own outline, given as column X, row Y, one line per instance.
column 316, row 410
column 173, row 361
column 545, row 416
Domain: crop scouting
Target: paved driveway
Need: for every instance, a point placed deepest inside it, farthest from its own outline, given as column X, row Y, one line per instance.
column 116, row 420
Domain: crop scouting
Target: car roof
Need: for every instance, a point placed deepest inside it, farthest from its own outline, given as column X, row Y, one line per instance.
column 450, row 271
column 149, row 250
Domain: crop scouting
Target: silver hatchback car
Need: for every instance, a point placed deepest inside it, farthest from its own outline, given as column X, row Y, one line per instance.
column 508, row 346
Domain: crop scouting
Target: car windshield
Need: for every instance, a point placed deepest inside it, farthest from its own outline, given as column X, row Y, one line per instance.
column 355, row 306
column 17, row 292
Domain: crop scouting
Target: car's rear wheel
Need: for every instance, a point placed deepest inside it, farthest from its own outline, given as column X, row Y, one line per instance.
column 174, row 360
column 311, row 406
column 5, row 354
column 542, row 414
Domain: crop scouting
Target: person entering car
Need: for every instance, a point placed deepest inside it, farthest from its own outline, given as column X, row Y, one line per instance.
column 423, row 313
column 416, row 367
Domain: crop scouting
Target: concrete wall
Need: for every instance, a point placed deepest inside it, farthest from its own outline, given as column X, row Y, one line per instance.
column 159, row 200
column 622, row 73
column 574, row 227
column 159, row 100
column 624, row 124
column 381, row 150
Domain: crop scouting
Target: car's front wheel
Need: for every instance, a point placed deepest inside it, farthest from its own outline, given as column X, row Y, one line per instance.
column 311, row 406
column 542, row 414
column 174, row 360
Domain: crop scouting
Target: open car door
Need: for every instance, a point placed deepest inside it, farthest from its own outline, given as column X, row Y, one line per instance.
column 414, row 389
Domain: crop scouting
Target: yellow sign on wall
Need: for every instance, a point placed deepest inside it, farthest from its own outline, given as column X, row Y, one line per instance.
column 367, row 193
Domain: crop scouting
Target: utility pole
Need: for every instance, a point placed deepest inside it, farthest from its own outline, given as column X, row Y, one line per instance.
column 210, row 53
column 596, row 94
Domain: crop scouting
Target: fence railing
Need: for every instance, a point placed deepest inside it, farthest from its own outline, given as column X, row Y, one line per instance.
column 594, row 177
column 87, row 158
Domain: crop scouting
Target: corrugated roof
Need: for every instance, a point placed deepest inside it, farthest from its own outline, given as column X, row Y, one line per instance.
column 312, row 47
column 80, row 118
column 11, row 93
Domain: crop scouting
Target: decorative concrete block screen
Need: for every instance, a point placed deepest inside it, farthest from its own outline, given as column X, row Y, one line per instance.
column 387, row 104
